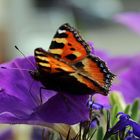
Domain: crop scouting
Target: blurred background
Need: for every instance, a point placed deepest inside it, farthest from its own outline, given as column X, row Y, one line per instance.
column 32, row 23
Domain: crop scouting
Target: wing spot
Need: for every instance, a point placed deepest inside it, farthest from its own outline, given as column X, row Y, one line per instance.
column 56, row 45
column 72, row 49
column 79, row 64
column 71, row 56
column 69, row 44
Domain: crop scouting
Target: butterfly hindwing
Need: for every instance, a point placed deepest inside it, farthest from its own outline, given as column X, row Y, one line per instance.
column 97, row 73
column 68, row 45
column 91, row 85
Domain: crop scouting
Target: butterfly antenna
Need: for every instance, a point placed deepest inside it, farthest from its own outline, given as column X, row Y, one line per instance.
column 25, row 57
column 17, row 69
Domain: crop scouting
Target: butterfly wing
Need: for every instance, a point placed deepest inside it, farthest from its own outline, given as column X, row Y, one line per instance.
column 70, row 54
column 46, row 63
column 68, row 45
column 90, row 86
column 91, row 72
column 94, row 73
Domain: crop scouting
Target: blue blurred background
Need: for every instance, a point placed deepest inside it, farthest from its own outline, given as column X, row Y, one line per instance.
column 32, row 23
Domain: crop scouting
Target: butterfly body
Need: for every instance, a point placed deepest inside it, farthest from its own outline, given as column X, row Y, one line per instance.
column 62, row 82
column 68, row 65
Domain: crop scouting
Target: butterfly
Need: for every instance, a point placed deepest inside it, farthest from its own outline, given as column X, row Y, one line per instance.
column 69, row 66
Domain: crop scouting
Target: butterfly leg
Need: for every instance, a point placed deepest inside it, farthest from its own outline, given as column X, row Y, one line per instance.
column 40, row 94
column 30, row 93
column 34, row 99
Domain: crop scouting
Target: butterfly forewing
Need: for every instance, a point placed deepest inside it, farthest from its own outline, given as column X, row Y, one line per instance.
column 47, row 63
column 68, row 45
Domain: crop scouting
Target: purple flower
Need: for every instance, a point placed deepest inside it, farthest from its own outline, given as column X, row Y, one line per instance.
column 118, row 64
column 94, row 123
column 20, row 101
column 131, row 136
column 96, row 106
column 129, row 19
column 127, row 69
column 96, row 111
column 128, row 81
column 122, row 124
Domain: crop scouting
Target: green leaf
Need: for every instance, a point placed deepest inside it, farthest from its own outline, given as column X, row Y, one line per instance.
column 100, row 133
column 127, row 109
column 116, row 98
column 92, row 135
column 135, row 110
column 113, row 114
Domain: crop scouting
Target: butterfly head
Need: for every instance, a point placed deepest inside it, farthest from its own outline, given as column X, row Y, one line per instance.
column 35, row 75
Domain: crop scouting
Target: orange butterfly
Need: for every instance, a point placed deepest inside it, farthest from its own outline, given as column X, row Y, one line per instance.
column 69, row 67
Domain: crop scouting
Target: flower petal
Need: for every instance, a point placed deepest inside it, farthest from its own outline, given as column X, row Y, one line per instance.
column 136, row 128
column 130, row 19
column 64, row 109
column 20, row 98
